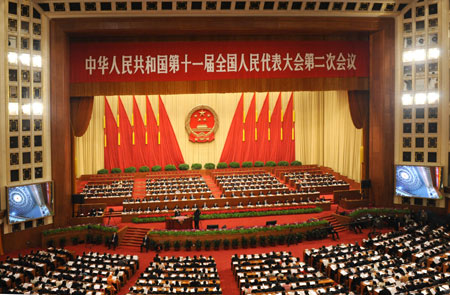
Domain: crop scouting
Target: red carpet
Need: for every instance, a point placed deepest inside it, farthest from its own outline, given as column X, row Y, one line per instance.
column 223, row 257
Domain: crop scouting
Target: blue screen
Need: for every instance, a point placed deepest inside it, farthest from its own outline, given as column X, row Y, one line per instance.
column 417, row 181
column 29, row 202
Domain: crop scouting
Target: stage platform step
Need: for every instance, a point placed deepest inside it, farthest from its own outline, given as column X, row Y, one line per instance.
column 133, row 237
column 215, row 190
column 335, row 223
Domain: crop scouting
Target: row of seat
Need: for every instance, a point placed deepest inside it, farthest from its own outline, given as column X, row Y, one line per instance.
column 179, row 275
column 393, row 263
column 90, row 273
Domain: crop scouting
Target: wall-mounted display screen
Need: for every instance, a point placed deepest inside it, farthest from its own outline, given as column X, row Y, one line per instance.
column 418, row 181
column 28, row 202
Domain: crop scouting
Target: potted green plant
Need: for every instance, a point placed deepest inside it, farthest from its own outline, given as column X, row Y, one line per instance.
column 300, row 237
column 244, row 242
column 116, row 170
column 50, row 243
column 166, row 245
column 247, row 164
column 262, row 241
column 198, row 245
column 222, row 165
column 103, row 171
column 144, row 169
column 170, row 167
column 188, row 245
column 130, row 170
column 207, row 244
column 217, row 244
column 156, row 168
column 226, row 244
column 283, row 163
column 253, row 241
column 259, row 164
column 98, row 239
column 90, row 238
column 234, row 165
column 183, row 167
column 196, row 166
column 270, row 164
column 234, row 243
column 210, row 166
column 272, row 240
column 74, row 240
column 62, row 242
column 296, row 163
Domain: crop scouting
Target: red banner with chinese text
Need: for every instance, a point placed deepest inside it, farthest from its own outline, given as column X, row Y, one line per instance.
column 187, row 61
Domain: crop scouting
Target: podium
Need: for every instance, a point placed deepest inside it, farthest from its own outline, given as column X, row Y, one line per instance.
column 179, row 222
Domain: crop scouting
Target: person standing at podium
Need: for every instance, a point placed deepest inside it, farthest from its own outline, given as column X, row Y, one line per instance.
column 197, row 214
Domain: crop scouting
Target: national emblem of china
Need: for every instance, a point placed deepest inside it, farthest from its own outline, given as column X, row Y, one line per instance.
column 201, row 123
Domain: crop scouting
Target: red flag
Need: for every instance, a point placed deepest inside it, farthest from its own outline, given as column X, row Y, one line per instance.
column 139, row 146
column 275, row 132
column 233, row 144
column 262, row 128
column 249, row 132
column 170, row 152
column 125, row 138
column 288, row 142
column 111, row 154
column 151, row 137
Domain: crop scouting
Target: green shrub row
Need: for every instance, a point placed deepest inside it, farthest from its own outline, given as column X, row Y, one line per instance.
column 236, row 214
column 239, row 230
column 243, row 242
column 198, row 166
column 261, row 213
column 79, row 228
column 377, row 211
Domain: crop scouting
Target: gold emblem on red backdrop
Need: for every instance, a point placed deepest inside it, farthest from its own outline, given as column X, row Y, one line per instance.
column 201, row 123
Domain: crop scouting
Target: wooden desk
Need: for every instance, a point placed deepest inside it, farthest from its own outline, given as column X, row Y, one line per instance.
column 180, row 222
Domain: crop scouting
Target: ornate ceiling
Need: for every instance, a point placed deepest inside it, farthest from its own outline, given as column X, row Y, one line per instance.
column 122, row 8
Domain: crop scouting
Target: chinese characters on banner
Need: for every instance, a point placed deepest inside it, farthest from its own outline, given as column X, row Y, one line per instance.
column 181, row 61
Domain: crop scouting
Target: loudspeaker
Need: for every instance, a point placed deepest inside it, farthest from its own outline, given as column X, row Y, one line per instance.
column 212, row 226
column 365, row 183
column 271, row 222
column 77, row 199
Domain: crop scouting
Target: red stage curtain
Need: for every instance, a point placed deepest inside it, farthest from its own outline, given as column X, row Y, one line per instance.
column 233, row 144
column 275, row 132
column 170, row 152
column 80, row 114
column 111, row 153
column 152, row 147
column 262, row 127
column 358, row 101
column 125, row 138
column 139, row 146
column 288, row 143
column 249, row 139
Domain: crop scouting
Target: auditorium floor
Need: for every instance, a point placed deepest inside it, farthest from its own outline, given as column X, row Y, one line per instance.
column 223, row 257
